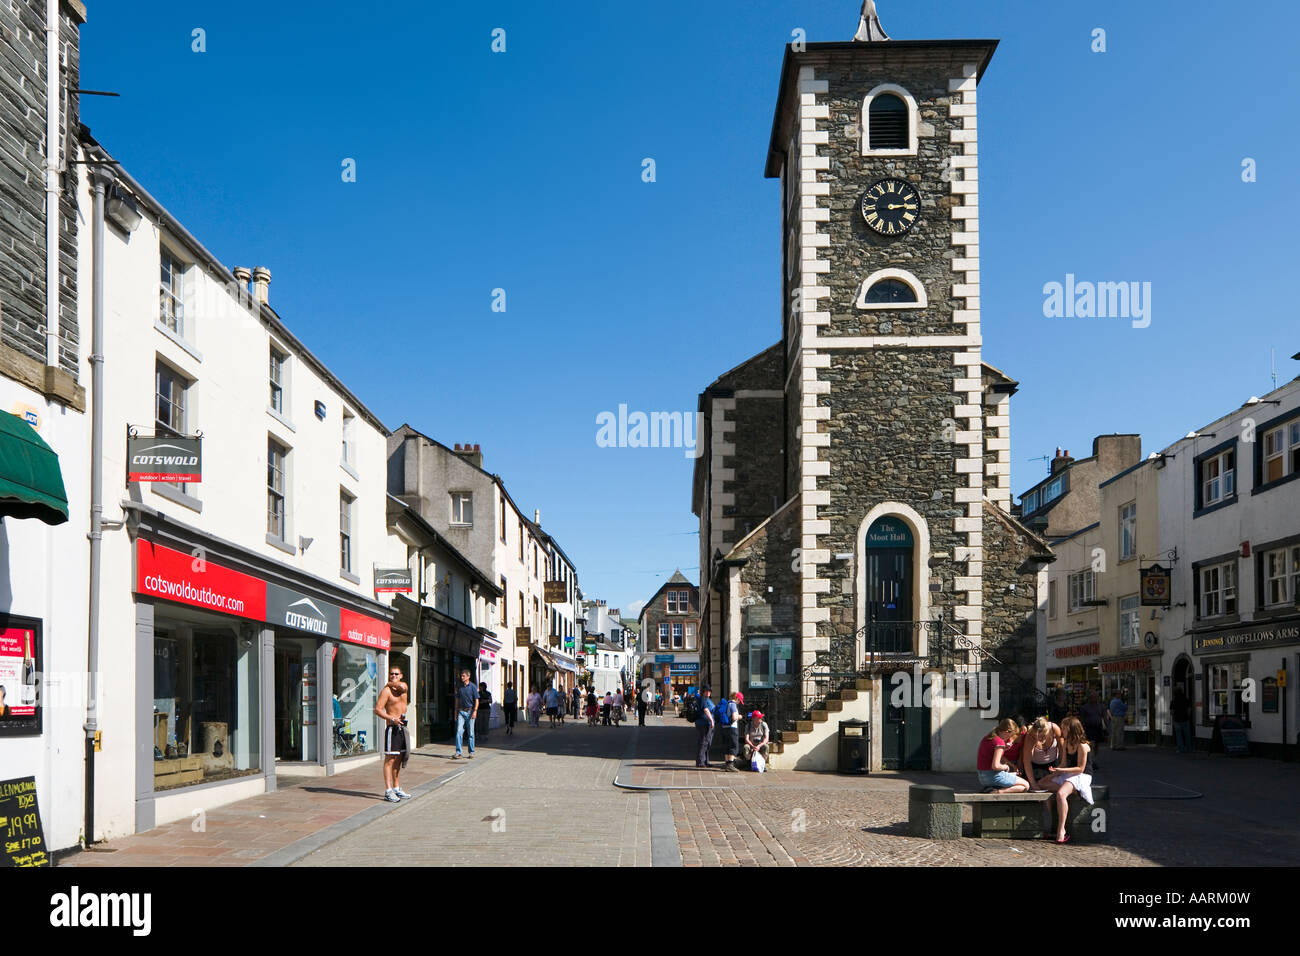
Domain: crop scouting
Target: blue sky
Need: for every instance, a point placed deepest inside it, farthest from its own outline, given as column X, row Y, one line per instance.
column 522, row 171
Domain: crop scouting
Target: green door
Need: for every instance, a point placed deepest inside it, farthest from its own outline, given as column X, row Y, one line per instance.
column 905, row 742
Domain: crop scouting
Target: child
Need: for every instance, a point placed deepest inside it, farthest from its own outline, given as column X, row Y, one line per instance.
column 995, row 774
column 1077, row 777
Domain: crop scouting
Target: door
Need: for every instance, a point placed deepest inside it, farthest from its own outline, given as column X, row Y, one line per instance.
column 889, row 600
column 905, row 742
column 288, row 702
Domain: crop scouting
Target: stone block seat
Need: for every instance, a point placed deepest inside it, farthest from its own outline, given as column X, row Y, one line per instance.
column 934, row 812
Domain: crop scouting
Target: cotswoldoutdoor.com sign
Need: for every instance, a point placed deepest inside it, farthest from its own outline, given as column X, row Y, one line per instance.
column 164, row 459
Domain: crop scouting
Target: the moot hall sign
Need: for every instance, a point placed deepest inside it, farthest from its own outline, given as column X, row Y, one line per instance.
column 186, row 579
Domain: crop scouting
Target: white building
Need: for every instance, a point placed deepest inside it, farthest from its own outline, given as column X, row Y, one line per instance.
column 1229, row 505
column 236, row 607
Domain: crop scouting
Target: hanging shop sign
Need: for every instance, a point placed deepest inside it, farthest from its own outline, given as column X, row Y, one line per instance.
column 21, row 833
column 1267, row 635
column 1156, row 586
column 557, row 592
column 164, row 459
column 192, row 579
column 393, row 581
column 20, row 670
column 523, row 636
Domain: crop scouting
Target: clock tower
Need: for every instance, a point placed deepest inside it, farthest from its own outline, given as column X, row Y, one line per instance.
column 891, row 443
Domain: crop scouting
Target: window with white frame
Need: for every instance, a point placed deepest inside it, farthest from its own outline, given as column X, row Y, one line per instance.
column 690, row 636
column 462, row 507
column 171, row 403
column 891, row 289
column 349, row 439
column 277, row 466
column 1282, row 577
column 1128, row 519
column 672, row 602
column 1225, row 695
column 677, row 637
column 1054, row 489
column 889, row 121
column 1219, row 589
column 1281, row 452
column 1129, row 611
column 1029, row 503
column 1083, row 587
column 1218, row 478
column 279, row 378
column 663, row 637
column 345, row 530
column 171, row 293
column 1051, row 600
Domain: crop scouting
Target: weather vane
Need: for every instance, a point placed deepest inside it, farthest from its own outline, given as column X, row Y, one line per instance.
column 869, row 28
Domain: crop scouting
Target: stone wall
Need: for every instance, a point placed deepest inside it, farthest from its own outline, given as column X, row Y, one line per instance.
column 23, row 153
column 1010, row 622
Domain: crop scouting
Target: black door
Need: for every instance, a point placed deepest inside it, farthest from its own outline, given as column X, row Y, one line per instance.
column 905, row 743
column 288, row 702
column 889, row 599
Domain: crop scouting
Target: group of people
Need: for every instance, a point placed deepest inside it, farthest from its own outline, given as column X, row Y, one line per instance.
column 725, row 718
column 1041, row 757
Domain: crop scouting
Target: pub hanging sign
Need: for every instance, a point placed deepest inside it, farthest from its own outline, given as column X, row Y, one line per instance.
column 164, row 458
column 1155, row 586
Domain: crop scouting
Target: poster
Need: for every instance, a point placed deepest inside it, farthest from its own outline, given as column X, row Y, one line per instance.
column 18, row 670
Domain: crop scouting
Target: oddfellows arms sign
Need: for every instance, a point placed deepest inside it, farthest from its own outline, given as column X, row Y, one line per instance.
column 187, row 579
column 164, row 459
column 1247, row 639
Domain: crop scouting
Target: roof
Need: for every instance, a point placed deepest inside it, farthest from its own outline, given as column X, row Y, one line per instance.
column 679, row 578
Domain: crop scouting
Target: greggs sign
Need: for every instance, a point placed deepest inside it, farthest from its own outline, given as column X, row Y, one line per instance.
column 188, row 579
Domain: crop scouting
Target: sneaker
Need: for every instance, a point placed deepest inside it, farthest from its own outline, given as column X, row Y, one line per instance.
column 455, row 756
column 471, row 755
column 732, row 768
column 392, row 797
column 402, row 793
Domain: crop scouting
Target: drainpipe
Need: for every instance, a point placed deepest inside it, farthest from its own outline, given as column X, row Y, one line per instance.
column 101, row 179
column 53, row 106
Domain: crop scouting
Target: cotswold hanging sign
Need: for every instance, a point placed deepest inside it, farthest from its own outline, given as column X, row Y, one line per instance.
column 396, row 581
column 164, row 459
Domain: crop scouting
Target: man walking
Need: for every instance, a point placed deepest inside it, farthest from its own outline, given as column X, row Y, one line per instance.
column 704, row 724
column 642, row 705
column 577, row 701
column 392, row 707
column 510, row 707
column 1118, row 715
column 466, row 712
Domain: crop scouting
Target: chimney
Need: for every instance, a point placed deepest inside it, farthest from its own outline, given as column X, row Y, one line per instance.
column 261, row 283
column 471, row 453
column 537, row 516
column 1061, row 461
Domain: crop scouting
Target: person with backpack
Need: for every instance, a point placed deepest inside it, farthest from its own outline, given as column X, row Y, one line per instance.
column 704, row 724
column 727, row 716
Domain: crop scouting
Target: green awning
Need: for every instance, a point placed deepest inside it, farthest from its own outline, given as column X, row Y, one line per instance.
column 31, row 485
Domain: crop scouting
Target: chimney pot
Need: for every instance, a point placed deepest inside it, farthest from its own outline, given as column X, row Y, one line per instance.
column 261, row 283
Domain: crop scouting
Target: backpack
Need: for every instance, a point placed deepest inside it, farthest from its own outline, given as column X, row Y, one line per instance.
column 725, row 713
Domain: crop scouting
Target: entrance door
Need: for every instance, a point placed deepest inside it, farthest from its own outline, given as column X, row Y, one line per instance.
column 288, row 701
column 905, row 742
column 889, row 600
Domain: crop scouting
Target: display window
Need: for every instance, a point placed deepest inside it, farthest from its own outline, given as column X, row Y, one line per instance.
column 1136, row 692
column 205, row 705
column 357, row 681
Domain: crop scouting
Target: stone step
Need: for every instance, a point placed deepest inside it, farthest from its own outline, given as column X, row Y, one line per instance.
column 848, row 695
column 804, row 726
column 832, row 704
column 863, row 684
column 778, row 746
column 820, row 716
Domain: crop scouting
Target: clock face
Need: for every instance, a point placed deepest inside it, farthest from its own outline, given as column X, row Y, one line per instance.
column 891, row 207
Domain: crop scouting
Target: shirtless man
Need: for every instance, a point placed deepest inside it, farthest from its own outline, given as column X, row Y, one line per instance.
column 392, row 707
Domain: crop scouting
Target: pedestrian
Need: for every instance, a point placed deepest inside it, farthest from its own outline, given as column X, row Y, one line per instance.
column 704, row 724
column 1058, row 709
column 510, row 706
column 534, row 708
column 484, row 712
column 605, row 707
column 1180, row 709
column 619, row 702
column 392, row 707
column 727, row 718
column 466, row 713
column 576, row 708
column 642, row 705
column 548, row 701
column 1093, row 717
column 659, row 704
column 1118, row 716
column 591, row 707
column 757, row 738
column 561, row 704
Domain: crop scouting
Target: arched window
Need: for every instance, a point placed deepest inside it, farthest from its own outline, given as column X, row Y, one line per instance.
column 890, row 122
column 892, row 289
column 887, row 123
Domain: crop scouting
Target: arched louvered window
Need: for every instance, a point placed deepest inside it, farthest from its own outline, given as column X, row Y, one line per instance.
column 888, row 123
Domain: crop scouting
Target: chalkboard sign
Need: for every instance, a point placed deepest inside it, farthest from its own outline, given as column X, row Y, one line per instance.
column 1233, row 732
column 1270, row 698
column 20, row 824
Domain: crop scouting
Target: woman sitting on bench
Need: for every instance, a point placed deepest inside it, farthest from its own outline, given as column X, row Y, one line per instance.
column 1077, row 777
column 995, row 774
column 1041, row 752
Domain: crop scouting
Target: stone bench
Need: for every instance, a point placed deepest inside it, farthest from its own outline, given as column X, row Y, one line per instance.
column 934, row 813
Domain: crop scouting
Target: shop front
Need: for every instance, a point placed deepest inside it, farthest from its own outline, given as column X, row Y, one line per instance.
column 445, row 647
column 1248, row 673
column 1073, row 669
column 232, row 670
column 684, row 676
column 1133, row 679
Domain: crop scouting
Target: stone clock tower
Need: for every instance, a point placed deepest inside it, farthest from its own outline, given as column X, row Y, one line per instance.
column 894, row 469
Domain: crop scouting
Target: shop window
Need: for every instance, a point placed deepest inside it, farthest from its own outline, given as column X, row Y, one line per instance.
column 1129, row 625
column 770, row 662
column 206, row 699
column 1218, row 590
column 357, row 684
column 1225, row 693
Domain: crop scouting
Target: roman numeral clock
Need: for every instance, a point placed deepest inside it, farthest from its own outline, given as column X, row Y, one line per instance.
column 890, row 207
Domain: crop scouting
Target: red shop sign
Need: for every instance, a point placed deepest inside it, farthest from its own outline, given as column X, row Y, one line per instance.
column 1078, row 650
column 189, row 579
column 367, row 631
